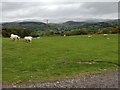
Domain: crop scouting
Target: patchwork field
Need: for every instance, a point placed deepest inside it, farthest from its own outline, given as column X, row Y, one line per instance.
column 51, row 58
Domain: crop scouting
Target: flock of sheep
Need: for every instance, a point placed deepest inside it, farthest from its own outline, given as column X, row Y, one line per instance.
column 105, row 35
column 29, row 38
column 16, row 37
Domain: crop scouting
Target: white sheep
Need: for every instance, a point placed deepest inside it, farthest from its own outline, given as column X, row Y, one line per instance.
column 90, row 36
column 105, row 35
column 28, row 38
column 14, row 37
column 64, row 35
column 38, row 37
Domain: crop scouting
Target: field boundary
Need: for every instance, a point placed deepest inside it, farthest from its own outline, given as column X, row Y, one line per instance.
column 90, row 62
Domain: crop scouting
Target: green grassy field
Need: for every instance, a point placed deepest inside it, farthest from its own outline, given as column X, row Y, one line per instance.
column 50, row 58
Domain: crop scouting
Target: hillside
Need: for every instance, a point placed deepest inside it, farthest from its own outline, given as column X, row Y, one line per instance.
column 39, row 28
column 26, row 25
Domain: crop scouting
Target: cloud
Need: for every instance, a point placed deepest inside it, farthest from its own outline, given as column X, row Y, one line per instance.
column 58, row 11
column 103, row 7
column 52, row 1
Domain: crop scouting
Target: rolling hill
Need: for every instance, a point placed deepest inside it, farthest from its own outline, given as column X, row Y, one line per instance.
column 41, row 28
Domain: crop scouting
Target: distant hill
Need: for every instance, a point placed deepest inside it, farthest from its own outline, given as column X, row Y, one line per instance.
column 73, row 23
column 66, row 26
column 36, row 26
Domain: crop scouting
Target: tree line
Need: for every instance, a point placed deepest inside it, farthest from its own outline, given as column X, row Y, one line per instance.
column 6, row 32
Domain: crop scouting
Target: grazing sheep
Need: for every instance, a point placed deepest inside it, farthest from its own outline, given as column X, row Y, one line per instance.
column 90, row 36
column 105, row 35
column 38, row 37
column 14, row 37
column 28, row 38
column 64, row 35
column 18, row 37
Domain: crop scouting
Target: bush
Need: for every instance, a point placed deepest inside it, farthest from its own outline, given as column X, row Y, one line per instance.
column 34, row 34
column 6, row 32
column 76, row 32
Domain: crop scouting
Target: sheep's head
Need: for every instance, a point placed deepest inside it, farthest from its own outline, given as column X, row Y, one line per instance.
column 18, row 37
column 11, row 34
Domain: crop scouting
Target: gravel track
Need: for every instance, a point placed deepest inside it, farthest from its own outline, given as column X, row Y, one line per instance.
column 101, row 80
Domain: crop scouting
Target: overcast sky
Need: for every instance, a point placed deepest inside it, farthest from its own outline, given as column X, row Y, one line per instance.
column 58, row 10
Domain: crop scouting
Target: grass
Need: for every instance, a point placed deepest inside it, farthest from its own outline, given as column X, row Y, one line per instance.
column 50, row 58
column 0, row 59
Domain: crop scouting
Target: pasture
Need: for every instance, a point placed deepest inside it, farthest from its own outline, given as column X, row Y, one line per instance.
column 52, row 58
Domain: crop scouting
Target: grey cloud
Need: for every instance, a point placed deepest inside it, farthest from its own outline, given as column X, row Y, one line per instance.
column 11, row 6
column 55, row 11
column 102, row 7
column 61, row 0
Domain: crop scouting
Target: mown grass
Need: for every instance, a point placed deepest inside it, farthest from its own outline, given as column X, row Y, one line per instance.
column 50, row 58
